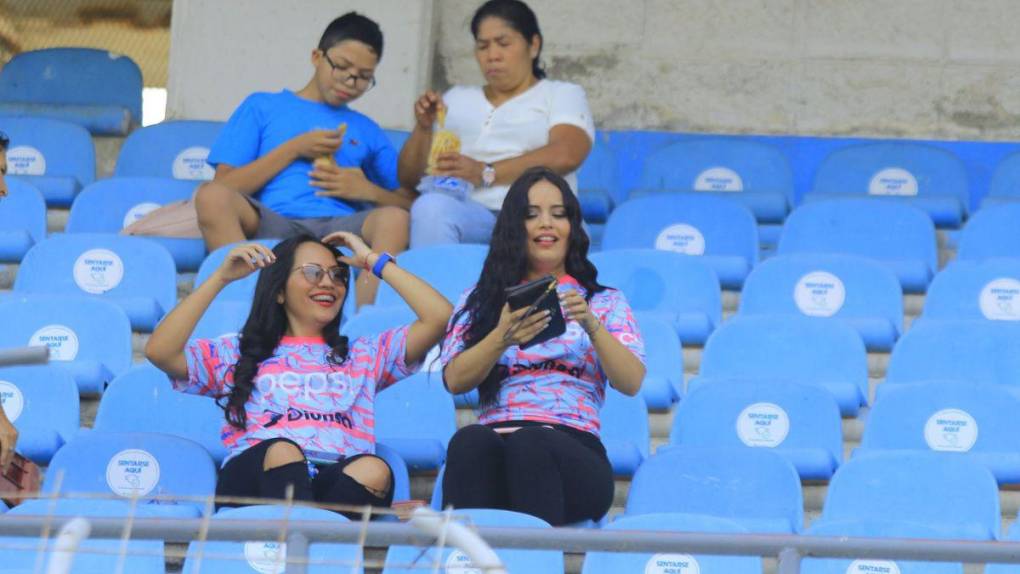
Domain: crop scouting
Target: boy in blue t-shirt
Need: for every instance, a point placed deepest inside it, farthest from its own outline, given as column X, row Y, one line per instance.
column 289, row 163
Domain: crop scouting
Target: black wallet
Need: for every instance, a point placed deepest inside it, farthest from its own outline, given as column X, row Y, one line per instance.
column 539, row 295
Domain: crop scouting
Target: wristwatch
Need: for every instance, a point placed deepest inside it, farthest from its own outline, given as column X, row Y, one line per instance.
column 488, row 175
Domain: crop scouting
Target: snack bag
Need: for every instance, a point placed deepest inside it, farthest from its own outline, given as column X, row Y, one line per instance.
column 330, row 160
column 443, row 141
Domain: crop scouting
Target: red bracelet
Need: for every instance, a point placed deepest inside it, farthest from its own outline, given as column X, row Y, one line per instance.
column 366, row 266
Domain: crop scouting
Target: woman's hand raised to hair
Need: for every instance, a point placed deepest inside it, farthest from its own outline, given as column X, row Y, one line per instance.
column 243, row 260
column 362, row 251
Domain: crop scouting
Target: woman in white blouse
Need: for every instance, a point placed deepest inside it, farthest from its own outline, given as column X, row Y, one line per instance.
column 517, row 120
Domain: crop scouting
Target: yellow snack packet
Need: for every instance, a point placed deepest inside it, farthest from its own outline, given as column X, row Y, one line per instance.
column 443, row 141
column 330, row 160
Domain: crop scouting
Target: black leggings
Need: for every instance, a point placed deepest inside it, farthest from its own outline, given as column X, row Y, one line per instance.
column 561, row 475
column 243, row 477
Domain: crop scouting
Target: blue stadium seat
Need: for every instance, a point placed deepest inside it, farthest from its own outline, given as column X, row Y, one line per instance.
column 992, row 232
column 974, row 421
column 873, row 529
column 416, row 417
column 929, row 178
column 136, row 274
column 110, row 205
column 270, row 556
column 808, row 350
column 397, row 138
column 664, row 362
column 757, row 488
column 683, row 291
column 90, row 339
column 718, row 229
column 238, row 290
column 899, row 236
column 598, row 188
column 1004, row 186
column 799, row 422
column 964, row 352
column 412, row 559
column 401, row 478
column 375, row 319
column 615, row 562
column 143, row 400
column 857, row 291
column 1013, row 536
column 625, row 431
column 57, row 157
column 139, row 466
column 42, row 403
column 22, row 220
column 97, row 89
column 979, row 290
column 94, row 556
column 754, row 173
column 172, row 149
column 222, row 318
column 449, row 269
column 955, row 496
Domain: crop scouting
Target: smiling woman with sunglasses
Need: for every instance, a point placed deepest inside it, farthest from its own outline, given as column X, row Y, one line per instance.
column 298, row 397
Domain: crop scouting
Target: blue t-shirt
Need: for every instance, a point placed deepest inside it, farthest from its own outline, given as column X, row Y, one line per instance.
column 264, row 121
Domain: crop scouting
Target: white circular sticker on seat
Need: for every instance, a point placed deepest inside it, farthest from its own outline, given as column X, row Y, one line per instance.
column 951, row 430
column 459, row 563
column 893, row 181
column 25, row 160
column 873, row 567
column 191, row 164
column 763, row 425
column 139, row 211
column 819, row 294
column 682, row 238
column 266, row 557
column 718, row 179
column 12, row 400
column 98, row 270
column 132, row 472
column 62, row 341
column 672, row 564
column 1000, row 300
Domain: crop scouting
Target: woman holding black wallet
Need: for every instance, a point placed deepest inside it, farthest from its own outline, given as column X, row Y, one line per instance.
column 536, row 448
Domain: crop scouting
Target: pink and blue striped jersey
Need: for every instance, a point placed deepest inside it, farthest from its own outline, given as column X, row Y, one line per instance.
column 299, row 394
column 560, row 381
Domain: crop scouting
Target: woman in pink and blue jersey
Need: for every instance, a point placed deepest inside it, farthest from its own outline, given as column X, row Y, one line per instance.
column 536, row 448
column 299, row 397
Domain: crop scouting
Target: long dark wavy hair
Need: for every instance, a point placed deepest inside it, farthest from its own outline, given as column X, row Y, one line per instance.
column 507, row 265
column 266, row 325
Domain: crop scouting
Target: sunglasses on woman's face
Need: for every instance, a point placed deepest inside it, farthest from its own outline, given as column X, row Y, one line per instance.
column 313, row 273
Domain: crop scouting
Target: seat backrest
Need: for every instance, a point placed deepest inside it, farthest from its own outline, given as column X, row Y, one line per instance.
column 662, row 281
column 875, row 529
column 718, row 164
column 74, row 329
column 886, row 231
column 599, row 170
column 143, row 400
column 449, row 269
column 222, row 318
column 242, row 290
column 664, row 356
column 893, row 169
column 1006, row 177
column 951, row 494
column 625, row 419
column 686, row 223
column 613, row 562
column 23, row 209
column 992, row 232
column 397, row 138
column 770, row 415
column 133, row 465
column 172, row 149
column 416, row 407
column 42, row 146
column 791, row 348
column 413, row 559
column 271, row 555
column 823, row 285
column 40, row 399
column 373, row 320
column 968, row 352
column 944, row 417
column 74, row 76
column 757, row 488
column 105, row 265
column 109, row 205
column 988, row 289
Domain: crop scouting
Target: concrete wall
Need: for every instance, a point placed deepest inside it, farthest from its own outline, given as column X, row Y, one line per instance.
column 222, row 51
column 911, row 68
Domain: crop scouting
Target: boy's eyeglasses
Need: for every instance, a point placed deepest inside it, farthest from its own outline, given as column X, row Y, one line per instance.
column 342, row 75
column 313, row 273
